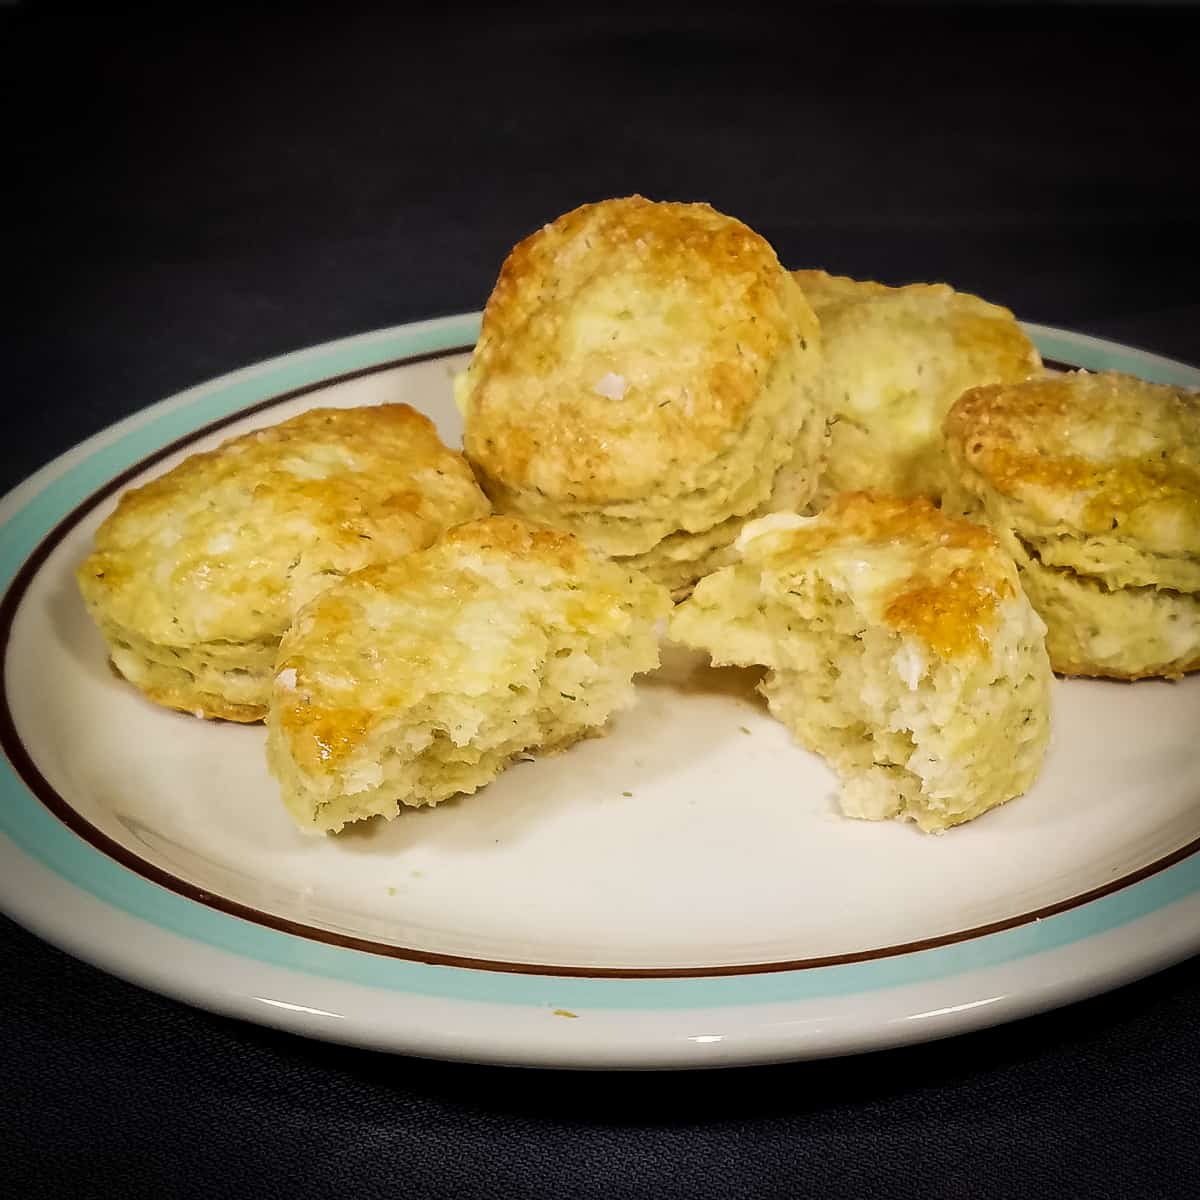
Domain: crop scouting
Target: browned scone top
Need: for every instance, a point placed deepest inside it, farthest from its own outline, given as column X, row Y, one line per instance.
column 625, row 346
column 931, row 575
column 1098, row 452
column 229, row 543
column 196, row 574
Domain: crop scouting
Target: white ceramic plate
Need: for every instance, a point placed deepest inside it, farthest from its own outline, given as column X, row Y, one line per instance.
column 680, row 893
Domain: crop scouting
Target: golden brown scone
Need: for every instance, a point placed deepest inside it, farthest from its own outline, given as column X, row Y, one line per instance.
column 642, row 380
column 900, row 647
column 196, row 574
column 1092, row 482
column 413, row 681
column 894, row 360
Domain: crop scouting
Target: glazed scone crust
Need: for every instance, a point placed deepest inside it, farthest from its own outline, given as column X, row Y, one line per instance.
column 1092, row 481
column 412, row 681
column 894, row 360
column 200, row 570
column 899, row 646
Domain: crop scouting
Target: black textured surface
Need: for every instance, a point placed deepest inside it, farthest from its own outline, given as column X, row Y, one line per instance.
column 190, row 200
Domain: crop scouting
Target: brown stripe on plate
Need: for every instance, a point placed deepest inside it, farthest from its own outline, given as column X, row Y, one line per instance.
column 40, row 787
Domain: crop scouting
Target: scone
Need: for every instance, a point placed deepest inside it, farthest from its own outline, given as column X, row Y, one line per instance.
column 643, row 380
column 1092, row 482
column 894, row 360
column 196, row 575
column 410, row 682
column 900, row 647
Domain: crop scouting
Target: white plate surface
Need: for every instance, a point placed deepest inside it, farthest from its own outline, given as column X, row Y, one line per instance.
column 681, row 892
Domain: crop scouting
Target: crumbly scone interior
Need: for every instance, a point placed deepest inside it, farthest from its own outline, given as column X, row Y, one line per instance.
column 528, row 661
column 911, row 734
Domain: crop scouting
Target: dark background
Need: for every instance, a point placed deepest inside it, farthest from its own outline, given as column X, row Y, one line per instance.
column 188, row 195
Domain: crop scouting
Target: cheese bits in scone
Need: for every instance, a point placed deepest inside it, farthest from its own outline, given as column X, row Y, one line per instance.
column 196, row 574
column 1092, row 482
column 408, row 683
column 643, row 380
column 900, row 647
column 894, row 360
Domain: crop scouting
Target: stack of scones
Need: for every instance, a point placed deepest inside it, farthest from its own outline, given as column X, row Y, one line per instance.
column 876, row 493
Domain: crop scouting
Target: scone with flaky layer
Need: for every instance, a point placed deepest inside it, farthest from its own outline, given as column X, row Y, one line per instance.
column 900, row 647
column 197, row 574
column 643, row 380
column 408, row 683
column 894, row 360
column 1092, row 482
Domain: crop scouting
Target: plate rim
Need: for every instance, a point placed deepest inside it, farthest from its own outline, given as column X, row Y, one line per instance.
column 33, row 510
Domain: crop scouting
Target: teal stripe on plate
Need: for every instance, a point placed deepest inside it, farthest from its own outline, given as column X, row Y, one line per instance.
column 1098, row 355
